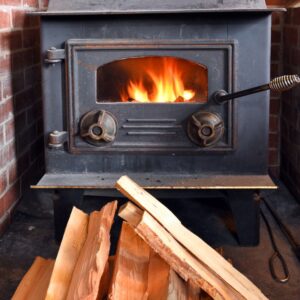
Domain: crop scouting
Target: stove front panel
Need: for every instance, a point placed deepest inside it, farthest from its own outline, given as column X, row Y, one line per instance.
column 244, row 49
column 158, row 127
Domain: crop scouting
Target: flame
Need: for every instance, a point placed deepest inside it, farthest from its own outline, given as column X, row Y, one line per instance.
column 164, row 84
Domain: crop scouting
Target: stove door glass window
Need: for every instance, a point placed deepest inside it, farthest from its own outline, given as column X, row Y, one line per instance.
column 152, row 79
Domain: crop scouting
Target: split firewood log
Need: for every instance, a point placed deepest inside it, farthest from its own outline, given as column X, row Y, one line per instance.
column 228, row 283
column 86, row 279
column 68, row 253
column 35, row 282
column 129, row 280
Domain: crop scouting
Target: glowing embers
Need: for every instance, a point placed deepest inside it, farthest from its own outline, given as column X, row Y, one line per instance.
column 152, row 79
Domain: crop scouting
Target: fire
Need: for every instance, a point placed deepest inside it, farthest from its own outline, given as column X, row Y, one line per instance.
column 164, row 84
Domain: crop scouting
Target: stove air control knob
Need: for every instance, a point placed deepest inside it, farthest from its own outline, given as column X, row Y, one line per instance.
column 205, row 128
column 98, row 127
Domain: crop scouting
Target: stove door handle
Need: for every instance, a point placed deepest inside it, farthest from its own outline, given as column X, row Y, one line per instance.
column 279, row 84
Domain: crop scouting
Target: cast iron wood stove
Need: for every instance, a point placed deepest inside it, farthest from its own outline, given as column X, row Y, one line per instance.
column 130, row 88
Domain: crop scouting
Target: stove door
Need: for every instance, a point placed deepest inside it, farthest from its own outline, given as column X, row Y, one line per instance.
column 151, row 96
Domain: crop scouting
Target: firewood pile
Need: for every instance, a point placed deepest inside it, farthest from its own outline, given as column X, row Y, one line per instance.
column 157, row 258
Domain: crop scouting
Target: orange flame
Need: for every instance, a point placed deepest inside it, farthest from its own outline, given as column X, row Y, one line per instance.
column 159, row 85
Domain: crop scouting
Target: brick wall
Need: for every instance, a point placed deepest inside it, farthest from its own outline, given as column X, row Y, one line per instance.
column 290, row 117
column 21, row 141
column 275, row 103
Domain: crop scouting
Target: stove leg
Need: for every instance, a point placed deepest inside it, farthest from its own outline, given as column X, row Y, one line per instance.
column 245, row 210
column 62, row 206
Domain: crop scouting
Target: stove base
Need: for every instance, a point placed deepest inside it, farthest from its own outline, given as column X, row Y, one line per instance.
column 243, row 204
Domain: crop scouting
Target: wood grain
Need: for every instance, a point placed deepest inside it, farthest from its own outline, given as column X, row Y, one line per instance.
column 71, row 245
column 212, row 261
column 94, row 254
column 35, row 282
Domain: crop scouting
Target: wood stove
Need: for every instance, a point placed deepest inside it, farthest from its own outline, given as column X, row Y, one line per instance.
column 107, row 111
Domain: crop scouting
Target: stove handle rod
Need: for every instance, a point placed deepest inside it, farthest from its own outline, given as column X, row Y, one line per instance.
column 279, row 84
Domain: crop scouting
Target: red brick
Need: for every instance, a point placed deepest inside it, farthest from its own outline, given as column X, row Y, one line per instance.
column 12, row 173
column 290, row 36
column 3, row 182
column 273, row 158
column 6, row 110
column 275, row 52
column 13, row 84
column 1, row 136
column 32, row 75
column 10, row 198
column 23, row 163
column 20, row 122
column 4, row 223
column 274, row 171
column 31, row 3
column 31, row 38
column 276, row 36
column 21, row 20
column 7, row 154
column 18, row 18
column 273, row 123
column 275, row 106
column 4, row 18
column 10, row 41
column 24, row 140
column 23, row 100
column 295, row 57
column 37, row 148
column 276, row 18
column 17, row 61
column 5, row 64
column 11, row 2
column 296, row 16
column 9, row 130
column 45, row 3
column 289, row 16
column 273, row 140
column 274, row 69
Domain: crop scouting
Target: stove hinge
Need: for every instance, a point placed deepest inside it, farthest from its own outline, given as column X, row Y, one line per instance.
column 57, row 139
column 54, row 55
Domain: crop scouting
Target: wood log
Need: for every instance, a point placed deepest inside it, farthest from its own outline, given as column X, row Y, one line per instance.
column 165, row 284
column 71, row 245
column 130, row 274
column 158, row 278
column 93, row 257
column 35, row 282
column 106, row 279
column 181, row 260
column 213, row 262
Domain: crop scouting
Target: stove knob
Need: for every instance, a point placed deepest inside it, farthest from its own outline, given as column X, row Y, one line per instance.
column 205, row 128
column 98, row 127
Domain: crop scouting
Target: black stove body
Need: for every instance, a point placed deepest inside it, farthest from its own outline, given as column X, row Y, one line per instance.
column 92, row 137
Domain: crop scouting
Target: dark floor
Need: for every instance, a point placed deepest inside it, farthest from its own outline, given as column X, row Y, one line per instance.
column 31, row 234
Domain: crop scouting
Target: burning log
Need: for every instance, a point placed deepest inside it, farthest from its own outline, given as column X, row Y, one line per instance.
column 35, row 283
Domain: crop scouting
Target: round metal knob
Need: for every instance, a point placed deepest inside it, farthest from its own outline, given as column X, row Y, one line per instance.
column 205, row 128
column 98, row 127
